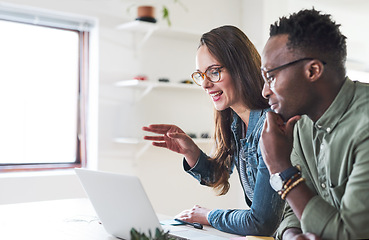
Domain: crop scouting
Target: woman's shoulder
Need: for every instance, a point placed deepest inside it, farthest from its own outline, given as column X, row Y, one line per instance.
column 260, row 122
column 261, row 113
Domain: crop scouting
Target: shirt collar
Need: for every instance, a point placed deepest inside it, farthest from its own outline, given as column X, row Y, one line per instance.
column 328, row 121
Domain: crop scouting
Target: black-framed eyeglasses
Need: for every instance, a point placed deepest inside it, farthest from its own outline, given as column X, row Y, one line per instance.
column 212, row 73
column 270, row 78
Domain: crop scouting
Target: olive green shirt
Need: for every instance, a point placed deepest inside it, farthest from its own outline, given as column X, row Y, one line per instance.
column 334, row 156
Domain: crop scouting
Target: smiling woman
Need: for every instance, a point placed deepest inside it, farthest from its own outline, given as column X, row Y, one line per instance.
column 43, row 90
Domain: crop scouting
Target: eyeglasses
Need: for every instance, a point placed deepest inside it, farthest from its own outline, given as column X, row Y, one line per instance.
column 270, row 78
column 212, row 73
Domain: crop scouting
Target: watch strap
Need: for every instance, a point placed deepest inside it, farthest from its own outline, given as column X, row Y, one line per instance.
column 288, row 173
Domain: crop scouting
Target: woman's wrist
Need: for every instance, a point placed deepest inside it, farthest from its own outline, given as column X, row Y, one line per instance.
column 193, row 156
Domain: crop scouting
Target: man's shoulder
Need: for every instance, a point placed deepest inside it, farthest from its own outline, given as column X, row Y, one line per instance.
column 358, row 109
column 361, row 95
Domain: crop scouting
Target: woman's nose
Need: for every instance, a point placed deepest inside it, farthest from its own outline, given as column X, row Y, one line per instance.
column 206, row 83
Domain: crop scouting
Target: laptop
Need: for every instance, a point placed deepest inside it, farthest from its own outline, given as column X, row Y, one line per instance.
column 121, row 204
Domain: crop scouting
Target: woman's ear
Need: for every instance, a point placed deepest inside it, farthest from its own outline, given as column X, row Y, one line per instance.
column 314, row 70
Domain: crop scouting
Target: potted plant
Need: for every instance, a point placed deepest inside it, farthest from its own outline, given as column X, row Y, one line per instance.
column 159, row 235
column 147, row 13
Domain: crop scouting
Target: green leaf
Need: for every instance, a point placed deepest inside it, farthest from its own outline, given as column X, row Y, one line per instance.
column 159, row 235
column 165, row 12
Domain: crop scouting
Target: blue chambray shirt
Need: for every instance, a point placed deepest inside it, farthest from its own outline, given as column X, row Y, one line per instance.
column 266, row 206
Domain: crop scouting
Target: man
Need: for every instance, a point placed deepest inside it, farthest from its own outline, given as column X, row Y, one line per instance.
column 303, row 65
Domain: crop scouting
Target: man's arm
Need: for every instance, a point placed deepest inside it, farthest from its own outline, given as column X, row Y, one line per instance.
column 276, row 145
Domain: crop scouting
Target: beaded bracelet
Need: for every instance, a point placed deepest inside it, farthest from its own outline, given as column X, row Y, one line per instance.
column 287, row 184
column 294, row 184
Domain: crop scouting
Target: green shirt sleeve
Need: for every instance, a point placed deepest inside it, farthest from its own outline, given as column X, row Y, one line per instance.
column 289, row 221
column 351, row 219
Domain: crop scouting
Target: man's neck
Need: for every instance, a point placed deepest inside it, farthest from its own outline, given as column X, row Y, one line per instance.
column 327, row 93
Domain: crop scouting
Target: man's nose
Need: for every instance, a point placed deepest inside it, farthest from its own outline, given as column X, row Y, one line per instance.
column 266, row 92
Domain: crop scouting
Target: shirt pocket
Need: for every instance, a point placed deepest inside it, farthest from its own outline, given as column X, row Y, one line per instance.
column 337, row 192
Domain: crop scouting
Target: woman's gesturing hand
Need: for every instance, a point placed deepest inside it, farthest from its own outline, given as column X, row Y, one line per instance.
column 174, row 139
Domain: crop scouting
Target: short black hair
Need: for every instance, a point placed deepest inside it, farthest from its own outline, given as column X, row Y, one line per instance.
column 312, row 32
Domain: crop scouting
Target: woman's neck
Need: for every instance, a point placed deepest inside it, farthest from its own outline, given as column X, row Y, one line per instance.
column 244, row 114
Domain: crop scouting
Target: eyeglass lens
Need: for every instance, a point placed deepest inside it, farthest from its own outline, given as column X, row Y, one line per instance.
column 213, row 74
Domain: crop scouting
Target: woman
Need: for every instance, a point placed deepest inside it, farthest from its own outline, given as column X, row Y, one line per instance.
column 228, row 69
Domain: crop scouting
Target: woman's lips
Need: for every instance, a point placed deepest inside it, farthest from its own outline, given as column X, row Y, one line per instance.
column 215, row 95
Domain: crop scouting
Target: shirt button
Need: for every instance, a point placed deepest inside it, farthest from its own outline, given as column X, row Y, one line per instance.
column 321, row 146
column 328, row 130
column 323, row 185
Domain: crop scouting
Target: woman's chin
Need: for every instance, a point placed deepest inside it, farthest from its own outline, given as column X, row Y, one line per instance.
column 219, row 107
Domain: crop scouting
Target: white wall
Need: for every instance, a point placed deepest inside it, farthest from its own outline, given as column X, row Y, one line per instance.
column 170, row 189
column 353, row 15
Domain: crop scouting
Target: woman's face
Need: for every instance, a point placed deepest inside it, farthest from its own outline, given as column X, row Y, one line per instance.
column 223, row 92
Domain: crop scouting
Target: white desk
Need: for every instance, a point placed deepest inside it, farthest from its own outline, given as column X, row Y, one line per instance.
column 71, row 219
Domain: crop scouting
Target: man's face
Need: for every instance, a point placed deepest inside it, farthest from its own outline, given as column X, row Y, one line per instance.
column 286, row 91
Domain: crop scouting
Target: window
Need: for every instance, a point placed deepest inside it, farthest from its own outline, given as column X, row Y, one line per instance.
column 43, row 90
column 357, row 75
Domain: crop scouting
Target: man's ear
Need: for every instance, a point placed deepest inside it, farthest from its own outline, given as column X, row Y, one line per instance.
column 314, row 70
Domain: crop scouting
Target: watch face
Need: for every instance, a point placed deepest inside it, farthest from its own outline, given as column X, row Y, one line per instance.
column 276, row 182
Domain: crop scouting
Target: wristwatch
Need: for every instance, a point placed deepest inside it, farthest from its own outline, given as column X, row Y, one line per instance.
column 278, row 179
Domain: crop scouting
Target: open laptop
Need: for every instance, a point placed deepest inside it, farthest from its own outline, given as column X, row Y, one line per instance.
column 121, row 204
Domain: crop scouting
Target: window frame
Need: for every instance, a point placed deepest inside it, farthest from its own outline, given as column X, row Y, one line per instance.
column 84, row 28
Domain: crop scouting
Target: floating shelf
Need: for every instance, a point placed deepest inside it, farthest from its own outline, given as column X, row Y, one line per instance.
column 138, row 26
column 148, row 86
column 151, row 84
column 145, row 144
column 148, row 29
column 139, row 141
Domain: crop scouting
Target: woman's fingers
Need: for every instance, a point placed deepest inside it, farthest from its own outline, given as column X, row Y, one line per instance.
column 154, row 138
column 160, row 144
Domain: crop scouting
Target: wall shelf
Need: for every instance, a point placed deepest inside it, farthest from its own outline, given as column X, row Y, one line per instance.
column 148, row 29
column 148, row 86
column 139, row 141
column 144, row 144
column 151, row 84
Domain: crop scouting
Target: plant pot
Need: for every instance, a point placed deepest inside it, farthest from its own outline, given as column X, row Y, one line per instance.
column 146, row 13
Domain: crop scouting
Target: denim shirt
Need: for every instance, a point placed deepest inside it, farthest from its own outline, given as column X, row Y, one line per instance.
column 266, row 206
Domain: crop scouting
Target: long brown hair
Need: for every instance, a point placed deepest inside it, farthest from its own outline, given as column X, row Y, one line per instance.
column 232, row 48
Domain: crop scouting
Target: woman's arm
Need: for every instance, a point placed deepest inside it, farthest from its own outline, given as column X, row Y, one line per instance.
column 264, row 214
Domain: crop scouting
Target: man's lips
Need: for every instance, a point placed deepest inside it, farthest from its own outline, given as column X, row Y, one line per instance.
column 273, row 105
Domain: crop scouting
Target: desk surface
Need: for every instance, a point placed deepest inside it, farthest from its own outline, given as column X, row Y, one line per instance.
column 71, row 219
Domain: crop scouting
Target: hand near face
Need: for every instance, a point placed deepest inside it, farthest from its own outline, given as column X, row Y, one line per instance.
column 306, row 236
column 196, row 214
column 296, row 234
column 174, row 139
column 276, row 142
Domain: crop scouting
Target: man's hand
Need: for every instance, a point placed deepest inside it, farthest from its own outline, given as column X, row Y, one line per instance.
column 296, row 234
column 276, row 142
